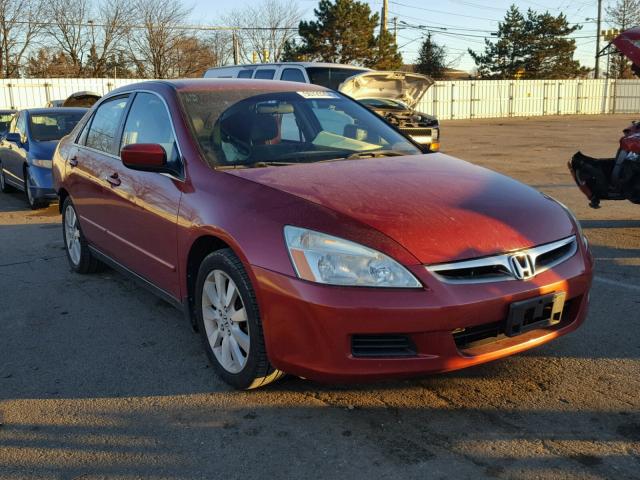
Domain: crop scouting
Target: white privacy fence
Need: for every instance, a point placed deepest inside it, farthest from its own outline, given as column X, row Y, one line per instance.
column 522, row 98
column 446, row 100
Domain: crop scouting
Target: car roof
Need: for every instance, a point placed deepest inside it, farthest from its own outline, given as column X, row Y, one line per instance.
column 40, row 111
column 215, row 84
column 300, row 64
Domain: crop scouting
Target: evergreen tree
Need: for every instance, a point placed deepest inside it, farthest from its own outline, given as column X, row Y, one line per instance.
column 431, row 59
column 344, row 32
column 532, row 47
column 386, row 56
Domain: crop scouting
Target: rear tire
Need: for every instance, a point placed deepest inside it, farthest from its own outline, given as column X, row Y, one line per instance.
column 229, row 321
column 34, row 203
column 80, row 258
column 4, row 187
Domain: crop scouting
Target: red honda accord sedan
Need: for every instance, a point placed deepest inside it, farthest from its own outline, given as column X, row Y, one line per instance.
column 300, row 233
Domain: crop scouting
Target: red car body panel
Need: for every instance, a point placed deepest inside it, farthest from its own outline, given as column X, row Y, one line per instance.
column 417, row 210
column 628, row 43
column 440, row 208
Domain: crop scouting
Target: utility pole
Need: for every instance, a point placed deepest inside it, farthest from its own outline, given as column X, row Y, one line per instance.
column 597, row 69
column 234, row 37
column 395, row 30
column 385, row 11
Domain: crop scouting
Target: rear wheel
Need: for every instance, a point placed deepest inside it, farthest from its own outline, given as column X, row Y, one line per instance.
column 81, row 260
column 229, row 322
column 34, row 203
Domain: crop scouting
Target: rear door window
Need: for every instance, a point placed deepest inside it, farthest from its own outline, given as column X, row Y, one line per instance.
column 245, row 73
column 293, row 75
column 265, row 74
column 105, row 125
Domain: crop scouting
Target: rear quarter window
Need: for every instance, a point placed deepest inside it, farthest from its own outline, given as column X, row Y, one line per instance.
column 265, row 74
column 293, row 75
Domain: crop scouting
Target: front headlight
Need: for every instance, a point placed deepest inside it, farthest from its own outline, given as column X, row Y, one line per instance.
column 581, row 234
column 42, row 163
column 322, row 258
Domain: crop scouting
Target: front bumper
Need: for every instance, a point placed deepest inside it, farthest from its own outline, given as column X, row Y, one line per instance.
column 309, row 327
column 41, row 183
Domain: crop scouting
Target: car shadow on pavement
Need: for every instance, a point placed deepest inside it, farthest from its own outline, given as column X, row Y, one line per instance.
column 318, row 436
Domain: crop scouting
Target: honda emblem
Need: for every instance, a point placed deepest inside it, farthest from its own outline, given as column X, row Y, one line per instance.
column 522, row 266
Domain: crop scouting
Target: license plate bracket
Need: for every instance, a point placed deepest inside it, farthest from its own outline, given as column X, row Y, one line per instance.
column 539, row 312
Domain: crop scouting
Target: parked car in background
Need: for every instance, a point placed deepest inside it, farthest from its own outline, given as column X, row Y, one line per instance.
column 393, row 95
column 27, row 148
column 83, row 99
column 303, row 234
column 5, row 119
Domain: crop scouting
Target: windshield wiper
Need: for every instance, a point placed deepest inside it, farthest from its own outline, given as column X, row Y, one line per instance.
column 376, row 154
column 269, row 164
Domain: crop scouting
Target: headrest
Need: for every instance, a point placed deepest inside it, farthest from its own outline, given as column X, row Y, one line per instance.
column 264, row 128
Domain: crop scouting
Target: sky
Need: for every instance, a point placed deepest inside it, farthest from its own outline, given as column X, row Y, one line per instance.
column 457, row 24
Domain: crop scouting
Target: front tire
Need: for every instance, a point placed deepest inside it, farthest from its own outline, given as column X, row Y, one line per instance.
column 80, row 258
column 229, row 322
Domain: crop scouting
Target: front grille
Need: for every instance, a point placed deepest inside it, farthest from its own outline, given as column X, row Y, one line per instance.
column 477, row 335
column 416, row 131
column 497, row 267
column 382, row 345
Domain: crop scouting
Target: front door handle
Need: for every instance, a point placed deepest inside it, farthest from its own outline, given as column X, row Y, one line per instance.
column 114, row 180
column 73, row 161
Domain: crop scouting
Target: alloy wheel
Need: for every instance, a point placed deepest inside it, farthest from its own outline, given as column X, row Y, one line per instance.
column 72, row 234
column 225, row 321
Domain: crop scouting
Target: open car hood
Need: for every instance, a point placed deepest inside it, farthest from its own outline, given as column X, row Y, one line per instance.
column 81, row 99
column 628, row 42
column 404, row 86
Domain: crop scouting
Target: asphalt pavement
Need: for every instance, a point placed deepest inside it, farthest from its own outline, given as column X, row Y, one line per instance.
column 100, row 379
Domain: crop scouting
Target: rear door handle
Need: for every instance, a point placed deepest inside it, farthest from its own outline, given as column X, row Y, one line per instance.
column 114, row 180
column 73, row 161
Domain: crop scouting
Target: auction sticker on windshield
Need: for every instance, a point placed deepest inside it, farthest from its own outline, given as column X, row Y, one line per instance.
column 317, row 94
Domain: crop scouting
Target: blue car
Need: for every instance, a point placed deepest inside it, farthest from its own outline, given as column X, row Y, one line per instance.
column 26, row 150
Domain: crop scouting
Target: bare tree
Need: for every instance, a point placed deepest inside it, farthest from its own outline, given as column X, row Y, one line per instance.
column 68, row 29
column 622, row 15
column 19, row 26
column 108, row 34
column 268, row 26
column 153, row 46
column 221, row 45
column 191, row 57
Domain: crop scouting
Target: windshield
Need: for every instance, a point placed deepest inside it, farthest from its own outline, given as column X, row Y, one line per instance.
column 331, row 77
column 286, row 127
column 52, row 126
column 383, row 103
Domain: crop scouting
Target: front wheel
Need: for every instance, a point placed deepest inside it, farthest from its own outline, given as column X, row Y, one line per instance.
column 229, row 322
column 81, row 260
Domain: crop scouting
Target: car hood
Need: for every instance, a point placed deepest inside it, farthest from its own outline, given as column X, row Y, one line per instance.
column 406, row 87
column 439, row 208
column 42, row 150
column 628, row 42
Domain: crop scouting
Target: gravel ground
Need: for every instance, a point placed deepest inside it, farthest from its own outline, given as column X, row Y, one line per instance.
column 99, row 379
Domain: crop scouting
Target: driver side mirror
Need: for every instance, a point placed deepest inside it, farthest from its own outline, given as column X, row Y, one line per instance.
column 14, row 137
column 146, row 157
